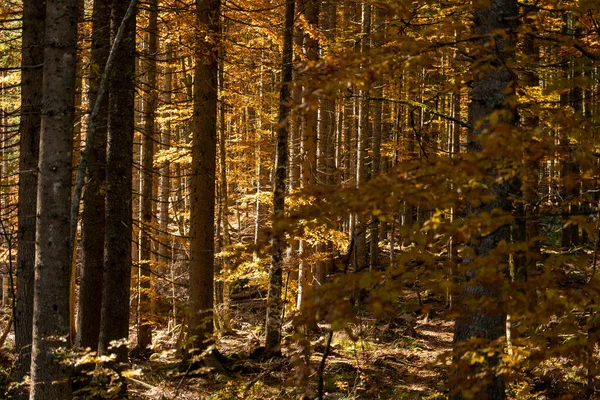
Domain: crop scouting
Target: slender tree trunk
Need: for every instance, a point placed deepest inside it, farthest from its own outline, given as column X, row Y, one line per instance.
column 90, row 288
column 50, row 373
column 309, row 152
column 34, row 15
column 144, row 338
column 274, row 301
column 326, row 141
column 362, row 143
column 223, row 292
column 202, row 186
column 378, row 41
column 481, row 312
column 165, row 170
column 114, row 322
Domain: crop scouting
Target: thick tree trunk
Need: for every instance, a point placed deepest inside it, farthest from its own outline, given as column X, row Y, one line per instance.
column 144, row 338
column 90, row 288
column 114, row 324
column 274, row 301
column 34, row 15
column 482, row 316
column 202, row 185
column 50, row 374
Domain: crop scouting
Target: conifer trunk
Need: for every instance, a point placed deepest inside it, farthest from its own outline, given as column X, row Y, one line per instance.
column 34, row 15
column 50, row 373
column 274, row 301
column 90, row 288
column 144, row 338
column 481, row 312
column 202, row 185
column 114, row 323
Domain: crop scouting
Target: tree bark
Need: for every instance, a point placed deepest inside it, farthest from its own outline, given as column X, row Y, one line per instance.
column 378, row 41
column 202, row 185
column 144, row 338
column 363, row 134
column 482, row 316
column 50, row 373
column 90, row 288
column 309, row 152
column 32, row 58
column 114, row 322
column 165, row 169
column 274, row 301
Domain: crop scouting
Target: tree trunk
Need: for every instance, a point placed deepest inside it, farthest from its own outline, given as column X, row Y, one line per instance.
column 32, row 58
column 144, row 338
column 378, row 42
column 165, row 170
column 274, row 302
column 202, row 186
column 363, row 134
column 309, row 152
column 114, row 323
column 50, row 373
column 90, row 288
column 482, row 316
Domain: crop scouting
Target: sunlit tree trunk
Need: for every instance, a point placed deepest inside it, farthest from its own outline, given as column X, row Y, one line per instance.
column 50, row 373
column 481, row 312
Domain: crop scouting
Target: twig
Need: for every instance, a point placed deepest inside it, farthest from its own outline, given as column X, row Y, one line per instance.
column 262, row 374
column 144, row 384
column 322, row 365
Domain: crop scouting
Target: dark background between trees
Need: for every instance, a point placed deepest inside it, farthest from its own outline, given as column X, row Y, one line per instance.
column 299, row 199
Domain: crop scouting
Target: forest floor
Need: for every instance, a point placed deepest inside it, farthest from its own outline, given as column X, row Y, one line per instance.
column 394, row 359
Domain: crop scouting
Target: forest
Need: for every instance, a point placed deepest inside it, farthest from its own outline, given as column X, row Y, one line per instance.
column 299, row 199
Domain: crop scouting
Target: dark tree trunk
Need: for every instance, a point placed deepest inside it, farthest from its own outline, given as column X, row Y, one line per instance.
column 274, row 302
column 202, row 185
column 114, row 323
column 90, row 288
column 145, row 328
column 34, row 15
column 482, row 316
column 306, row 270
column 50, row 374
column 363, row 133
